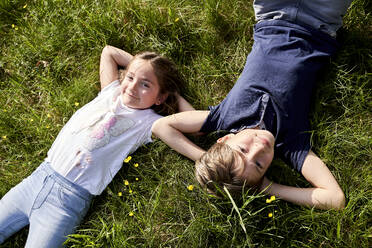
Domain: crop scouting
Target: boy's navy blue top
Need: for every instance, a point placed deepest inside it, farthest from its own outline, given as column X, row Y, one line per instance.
column 276, row 87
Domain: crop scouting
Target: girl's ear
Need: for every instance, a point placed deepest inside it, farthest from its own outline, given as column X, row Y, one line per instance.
column 224, row 138
column 161, row 98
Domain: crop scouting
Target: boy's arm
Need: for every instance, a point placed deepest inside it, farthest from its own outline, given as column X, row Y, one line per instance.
column 111, row 59
column 171, row 128
column 325, row 194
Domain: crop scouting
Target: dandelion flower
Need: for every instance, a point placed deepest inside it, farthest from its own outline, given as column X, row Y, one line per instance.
column 190, row 187
column 270, row 215
column 130, row 191
column 127, row 159
column 136, row 165
column 177, row 19
column 16, row 28
column 126, row 182
column 137, row 179
column 48, row 115
column 31, row 120
column 269, row 200
column 4, row 137
column 13, row 25
column 47, row 126
column 76, row 104
column 131, row 214
column 25, row 6
column 120, row 194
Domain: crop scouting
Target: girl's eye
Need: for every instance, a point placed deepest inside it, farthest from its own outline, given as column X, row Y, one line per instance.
column 258, row 164
column 145, row 84
column 130, row 78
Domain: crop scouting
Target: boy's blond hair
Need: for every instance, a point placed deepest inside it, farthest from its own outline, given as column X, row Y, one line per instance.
column 216, row 169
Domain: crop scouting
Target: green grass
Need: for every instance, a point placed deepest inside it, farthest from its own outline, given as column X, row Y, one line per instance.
column 209, row 41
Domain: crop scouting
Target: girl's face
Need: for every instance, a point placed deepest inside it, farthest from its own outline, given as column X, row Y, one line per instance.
column 255, row 150
column 140, row 88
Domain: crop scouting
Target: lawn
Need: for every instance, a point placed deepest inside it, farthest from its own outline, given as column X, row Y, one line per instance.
column 49, row 64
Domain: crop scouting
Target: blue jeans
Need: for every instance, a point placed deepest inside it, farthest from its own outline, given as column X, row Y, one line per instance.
column 52, row 205
column 322, row 15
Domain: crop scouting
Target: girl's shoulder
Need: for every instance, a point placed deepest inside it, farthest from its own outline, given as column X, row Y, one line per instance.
column 110, row 87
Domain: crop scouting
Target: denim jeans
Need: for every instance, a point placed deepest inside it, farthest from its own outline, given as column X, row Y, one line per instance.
column 322, row 15
column 49, row 203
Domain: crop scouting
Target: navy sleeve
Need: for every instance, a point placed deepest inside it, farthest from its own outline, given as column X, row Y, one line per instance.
column 294, row 151
column 210, row 124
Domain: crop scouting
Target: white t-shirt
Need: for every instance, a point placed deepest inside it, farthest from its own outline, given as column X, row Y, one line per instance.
column 90, row 148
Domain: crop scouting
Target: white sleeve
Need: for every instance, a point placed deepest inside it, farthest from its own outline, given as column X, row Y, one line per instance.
column 146, row 138
column 110, row 87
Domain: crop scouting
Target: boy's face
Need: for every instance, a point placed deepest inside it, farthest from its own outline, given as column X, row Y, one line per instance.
column 255, row 151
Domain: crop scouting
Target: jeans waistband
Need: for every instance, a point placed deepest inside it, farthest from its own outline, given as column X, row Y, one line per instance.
column 301, row 28
column 77, row 189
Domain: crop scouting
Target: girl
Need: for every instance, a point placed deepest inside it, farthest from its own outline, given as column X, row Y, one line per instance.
column 90, row 148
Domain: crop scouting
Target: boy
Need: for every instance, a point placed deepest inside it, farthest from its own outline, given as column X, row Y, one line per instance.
column 268, row 107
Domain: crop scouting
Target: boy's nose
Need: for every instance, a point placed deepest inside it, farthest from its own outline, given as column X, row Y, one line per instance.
column 256, row 148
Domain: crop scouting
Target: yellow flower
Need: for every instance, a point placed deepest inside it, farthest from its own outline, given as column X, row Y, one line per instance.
column 4, row 137
column 137, row 179
column 13, row 25
column 131, row 214
column 190, row 187
column 130, row 191
column 126, row 182
column 16, row 28
column 272, row 198
column 270, row 215
column 47, row 126
column 31, row 120
column 127, row 159
column 76, row 104
column 136, row 165
column 268, row 200
column 5, row 110
column 120, row 194
column 48, row 115
column 177, row 19
column 25, row 6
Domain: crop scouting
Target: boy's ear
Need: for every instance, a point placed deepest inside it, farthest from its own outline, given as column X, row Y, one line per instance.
column 161, row 98
column 224, row 138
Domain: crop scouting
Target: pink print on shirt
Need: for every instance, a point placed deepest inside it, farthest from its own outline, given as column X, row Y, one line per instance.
column 101, row 133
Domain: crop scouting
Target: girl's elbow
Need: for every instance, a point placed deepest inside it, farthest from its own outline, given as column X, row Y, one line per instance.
column 106, row 50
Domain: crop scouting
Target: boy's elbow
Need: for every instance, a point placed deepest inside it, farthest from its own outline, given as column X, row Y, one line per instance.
column 339, row 200
column 157, row 127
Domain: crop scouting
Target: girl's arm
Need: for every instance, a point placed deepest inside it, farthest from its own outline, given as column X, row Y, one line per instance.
column 183, row 105
column 325, row 194
column 111, row 59
column 171, row 128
